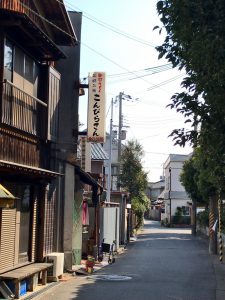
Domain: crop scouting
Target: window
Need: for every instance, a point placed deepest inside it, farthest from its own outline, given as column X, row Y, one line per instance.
column 8, row 60
column 185, row 211
column 24, row 225
column 114, row 183
column 114, row 170
column 20, row 69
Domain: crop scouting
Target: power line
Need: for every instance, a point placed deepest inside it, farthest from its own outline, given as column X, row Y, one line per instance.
column 97, row 52
column 151, row 69
column 109, row 27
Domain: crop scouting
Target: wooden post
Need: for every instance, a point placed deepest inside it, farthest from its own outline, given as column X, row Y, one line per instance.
column 44, row 277
column 17, row 288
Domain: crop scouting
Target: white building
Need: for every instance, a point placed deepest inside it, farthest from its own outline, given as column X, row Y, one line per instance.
column 176, row 199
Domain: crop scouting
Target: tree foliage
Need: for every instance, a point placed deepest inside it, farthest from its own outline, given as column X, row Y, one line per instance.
column 195, row 42
column 197, row 178
column 133, row 178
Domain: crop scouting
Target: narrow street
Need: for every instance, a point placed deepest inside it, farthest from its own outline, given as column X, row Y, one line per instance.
column 162, row 264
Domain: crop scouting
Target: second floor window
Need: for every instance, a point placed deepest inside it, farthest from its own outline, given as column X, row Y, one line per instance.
column 20, row 69
column 8, row 60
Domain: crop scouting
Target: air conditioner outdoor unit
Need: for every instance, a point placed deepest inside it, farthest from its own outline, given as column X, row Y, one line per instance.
column 58, row 265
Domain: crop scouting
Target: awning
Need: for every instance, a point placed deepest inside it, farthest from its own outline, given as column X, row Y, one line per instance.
column 27, row 170
column 7, row 200
column 87, row 179
column 5, row 194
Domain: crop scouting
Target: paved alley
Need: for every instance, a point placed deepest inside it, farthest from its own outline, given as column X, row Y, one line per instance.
column 164, row 263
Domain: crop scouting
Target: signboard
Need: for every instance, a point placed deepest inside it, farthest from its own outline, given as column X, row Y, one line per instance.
column 96, row 107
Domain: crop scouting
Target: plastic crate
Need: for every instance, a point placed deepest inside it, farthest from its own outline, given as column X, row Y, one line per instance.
column 23, row 286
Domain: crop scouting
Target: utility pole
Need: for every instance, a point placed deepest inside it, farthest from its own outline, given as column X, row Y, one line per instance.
column 110, row 156
column 120, row 131
column 121, row 97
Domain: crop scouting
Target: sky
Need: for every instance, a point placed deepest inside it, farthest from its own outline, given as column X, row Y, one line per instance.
column 117, row 37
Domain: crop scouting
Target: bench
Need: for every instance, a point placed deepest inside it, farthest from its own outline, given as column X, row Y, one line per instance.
column 28, row 271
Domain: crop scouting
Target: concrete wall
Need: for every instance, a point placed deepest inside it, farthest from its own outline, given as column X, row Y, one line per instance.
column 68, row 214
column 155, row 214
column 66, row 145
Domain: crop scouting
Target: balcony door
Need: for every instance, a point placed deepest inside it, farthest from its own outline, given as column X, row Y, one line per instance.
column 19, row 68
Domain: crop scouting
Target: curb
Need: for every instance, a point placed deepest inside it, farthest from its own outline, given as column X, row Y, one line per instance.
column 219, row 269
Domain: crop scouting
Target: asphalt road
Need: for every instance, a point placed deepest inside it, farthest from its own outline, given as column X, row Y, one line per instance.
column 163, row 264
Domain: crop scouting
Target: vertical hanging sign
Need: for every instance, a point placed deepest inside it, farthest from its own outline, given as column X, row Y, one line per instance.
column 96, row 107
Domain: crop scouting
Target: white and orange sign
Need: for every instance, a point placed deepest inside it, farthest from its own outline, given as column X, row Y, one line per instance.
column 96, row 107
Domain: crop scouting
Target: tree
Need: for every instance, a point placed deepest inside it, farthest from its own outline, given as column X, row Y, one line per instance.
column 133, row 178
column 195, row 41
column 196, row 180
column 201, row 187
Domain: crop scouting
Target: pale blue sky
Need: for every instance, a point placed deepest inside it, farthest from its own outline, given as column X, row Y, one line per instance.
column 150, row 122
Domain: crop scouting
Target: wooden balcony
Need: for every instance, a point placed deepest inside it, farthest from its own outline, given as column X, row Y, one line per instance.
column 41, row 14
column 23, row 111
column 25, row 25
column 23, row 7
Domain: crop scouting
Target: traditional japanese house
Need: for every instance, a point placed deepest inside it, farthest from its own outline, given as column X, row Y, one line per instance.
column 30, row 35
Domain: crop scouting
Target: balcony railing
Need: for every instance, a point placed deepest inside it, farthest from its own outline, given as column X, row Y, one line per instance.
column 22, row 6
column 22, row 111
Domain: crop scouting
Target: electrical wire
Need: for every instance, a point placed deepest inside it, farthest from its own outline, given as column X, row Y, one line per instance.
column 108, row 26
column 151, row 69
column 95, row 51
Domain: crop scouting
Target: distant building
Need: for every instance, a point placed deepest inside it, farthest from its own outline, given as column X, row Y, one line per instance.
column 155, row 192
column 177, row 202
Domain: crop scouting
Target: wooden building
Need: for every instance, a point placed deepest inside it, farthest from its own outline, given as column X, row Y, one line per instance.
column 30, row 35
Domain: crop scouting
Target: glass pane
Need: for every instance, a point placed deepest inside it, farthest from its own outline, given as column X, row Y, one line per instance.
column 24, row 225
column 8, row 60
column 29, row 68
column 36, row 76
column 19, row 62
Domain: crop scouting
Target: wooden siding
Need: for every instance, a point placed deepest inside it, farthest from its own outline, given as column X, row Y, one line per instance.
column 34, row 229
column 19, row 149
column 53, row 106
column 7, row 243
column 50, row 208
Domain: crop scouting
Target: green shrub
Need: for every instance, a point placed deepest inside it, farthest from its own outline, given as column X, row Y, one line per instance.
column 203, row 218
